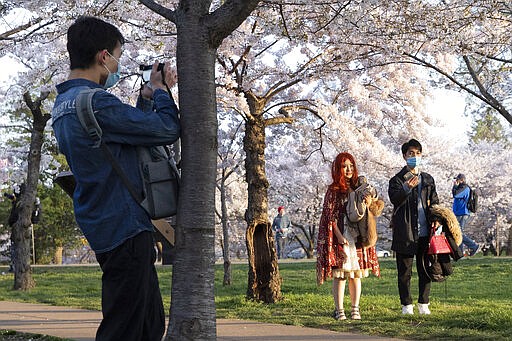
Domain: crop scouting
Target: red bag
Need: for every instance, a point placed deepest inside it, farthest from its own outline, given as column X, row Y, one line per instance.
column 438, row 245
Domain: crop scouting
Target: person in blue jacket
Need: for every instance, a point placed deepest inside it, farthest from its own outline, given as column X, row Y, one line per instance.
column 117, row 228
column 460, row 193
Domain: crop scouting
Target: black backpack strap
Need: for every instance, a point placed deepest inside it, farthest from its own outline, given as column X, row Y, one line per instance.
column 90, row 124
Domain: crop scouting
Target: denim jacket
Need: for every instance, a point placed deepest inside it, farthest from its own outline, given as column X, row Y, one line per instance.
column 104, row 209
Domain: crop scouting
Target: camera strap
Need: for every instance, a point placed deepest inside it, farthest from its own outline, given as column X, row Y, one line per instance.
column 90, row 124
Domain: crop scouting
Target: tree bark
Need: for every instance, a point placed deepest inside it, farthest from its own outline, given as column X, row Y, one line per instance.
column 192, row 313
column 199, row 33
column 57, row 256
column 22, row 234
column 225, row 230
column 22, row 270
column 509, row 242
column 264, row 280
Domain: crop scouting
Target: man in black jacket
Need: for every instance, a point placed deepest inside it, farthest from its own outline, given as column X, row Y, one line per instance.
column 412, row 193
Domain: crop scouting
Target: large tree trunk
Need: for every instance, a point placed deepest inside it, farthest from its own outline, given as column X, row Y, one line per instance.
column 199, row 32
column 264, row 280
column 192, row 313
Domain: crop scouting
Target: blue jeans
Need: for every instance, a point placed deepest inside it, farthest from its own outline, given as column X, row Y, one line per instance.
column 470, row 243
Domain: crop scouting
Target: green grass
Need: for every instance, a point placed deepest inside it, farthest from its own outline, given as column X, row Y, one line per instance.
column 474, row 304
column 10, row 335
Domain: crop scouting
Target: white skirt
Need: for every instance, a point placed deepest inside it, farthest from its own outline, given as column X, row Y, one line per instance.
column 350, row 267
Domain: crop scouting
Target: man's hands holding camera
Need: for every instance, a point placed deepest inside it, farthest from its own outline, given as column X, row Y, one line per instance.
column 161, row 75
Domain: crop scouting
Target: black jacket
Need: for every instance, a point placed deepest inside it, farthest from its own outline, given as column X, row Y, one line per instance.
column 405, row 210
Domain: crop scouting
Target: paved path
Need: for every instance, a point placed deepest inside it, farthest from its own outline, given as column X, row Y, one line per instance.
column 79, row 324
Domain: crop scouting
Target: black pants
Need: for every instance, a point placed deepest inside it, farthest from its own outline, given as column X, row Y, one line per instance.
column 130, row 300
column 404, row 267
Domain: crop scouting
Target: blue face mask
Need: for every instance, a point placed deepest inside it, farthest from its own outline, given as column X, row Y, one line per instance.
column 112, row 78
column 414, row 162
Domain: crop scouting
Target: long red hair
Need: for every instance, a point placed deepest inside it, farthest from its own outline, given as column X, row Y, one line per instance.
column 339, row 182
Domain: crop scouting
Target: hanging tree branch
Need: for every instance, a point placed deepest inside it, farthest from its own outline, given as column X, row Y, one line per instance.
column 491, row 100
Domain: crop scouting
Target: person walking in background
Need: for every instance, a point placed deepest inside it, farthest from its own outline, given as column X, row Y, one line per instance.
column 461, row 193
column 281, row 227
column 412, row 194
column 339, row 255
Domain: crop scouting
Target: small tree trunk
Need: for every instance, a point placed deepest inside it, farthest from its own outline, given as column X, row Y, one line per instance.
column 498, row 236
column 57, row 256
column 227, row 273
column 225, row 231
column 509, row 242
column 22, row 269
column 22, row 233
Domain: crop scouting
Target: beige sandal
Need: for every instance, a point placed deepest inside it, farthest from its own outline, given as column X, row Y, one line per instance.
column 339, row 314
column 355, row 315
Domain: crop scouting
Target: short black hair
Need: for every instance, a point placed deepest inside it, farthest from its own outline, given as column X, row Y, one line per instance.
column 411, row 143
column 88, row 35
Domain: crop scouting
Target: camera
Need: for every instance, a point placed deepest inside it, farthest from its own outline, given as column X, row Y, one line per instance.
column 146, row 71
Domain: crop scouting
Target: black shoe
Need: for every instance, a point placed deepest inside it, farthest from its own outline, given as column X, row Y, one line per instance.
column 474, row 251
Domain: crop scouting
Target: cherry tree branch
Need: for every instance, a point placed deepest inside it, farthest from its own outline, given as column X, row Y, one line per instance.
column 445, row 74
column 227, row 18
column 159, row 9
column 105, row 7
column 320, row 147
column 336, row 14
column 502, row 60
column 7, row 34
column 277, row 88
column 491, row 100
column 286, row 33
column 15, row 126
column 278, row 120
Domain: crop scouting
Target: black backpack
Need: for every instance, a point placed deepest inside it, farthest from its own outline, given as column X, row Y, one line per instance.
column 472, row 201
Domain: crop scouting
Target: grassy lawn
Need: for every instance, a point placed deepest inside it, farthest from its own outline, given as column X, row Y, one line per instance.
column 474, row 304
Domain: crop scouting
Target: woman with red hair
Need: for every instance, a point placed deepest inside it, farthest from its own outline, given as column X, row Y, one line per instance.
column 340, row 256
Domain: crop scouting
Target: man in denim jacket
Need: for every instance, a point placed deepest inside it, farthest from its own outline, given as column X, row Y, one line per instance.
column 117, row 228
